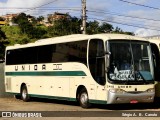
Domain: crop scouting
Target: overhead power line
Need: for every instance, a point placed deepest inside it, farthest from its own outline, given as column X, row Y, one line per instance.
column 137, row 26
column 78, row 9
column 121, row 20
column 45, row 8
column 140, row 5
column 122, row 15
column 40, row 6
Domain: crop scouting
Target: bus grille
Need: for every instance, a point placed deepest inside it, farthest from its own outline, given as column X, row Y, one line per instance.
column 8, row 83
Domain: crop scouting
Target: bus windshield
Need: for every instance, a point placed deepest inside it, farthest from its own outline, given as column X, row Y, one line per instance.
column 130, row 61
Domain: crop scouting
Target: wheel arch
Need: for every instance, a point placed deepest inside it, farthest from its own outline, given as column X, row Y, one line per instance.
column 23, row 84
column 80, row 87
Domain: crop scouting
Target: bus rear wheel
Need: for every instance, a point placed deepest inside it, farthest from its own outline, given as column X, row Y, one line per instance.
column 24, row 94
column 83, row 99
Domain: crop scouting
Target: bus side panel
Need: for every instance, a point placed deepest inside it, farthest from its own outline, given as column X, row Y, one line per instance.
column 96, row 92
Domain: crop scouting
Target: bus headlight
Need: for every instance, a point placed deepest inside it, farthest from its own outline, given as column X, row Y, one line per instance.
column 151, row 90
column 117, row 91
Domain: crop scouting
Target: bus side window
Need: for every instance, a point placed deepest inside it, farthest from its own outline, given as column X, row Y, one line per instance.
column 70, row 52
column 97, row 60
column 14, row 57
column 30, row 55
column 45, row 54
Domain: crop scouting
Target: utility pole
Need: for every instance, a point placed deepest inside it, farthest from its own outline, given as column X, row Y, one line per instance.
column 83, row 27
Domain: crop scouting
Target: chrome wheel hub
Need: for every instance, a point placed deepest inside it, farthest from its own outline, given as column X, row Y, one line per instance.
column 84, row 98
column 24, row 94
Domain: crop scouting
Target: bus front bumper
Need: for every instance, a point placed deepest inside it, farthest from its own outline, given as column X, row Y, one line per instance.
column 130, row 97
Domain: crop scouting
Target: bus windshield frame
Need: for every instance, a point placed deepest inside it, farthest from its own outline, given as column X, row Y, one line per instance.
column 130, row 62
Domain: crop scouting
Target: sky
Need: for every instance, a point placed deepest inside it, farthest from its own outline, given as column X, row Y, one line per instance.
column 143, row 21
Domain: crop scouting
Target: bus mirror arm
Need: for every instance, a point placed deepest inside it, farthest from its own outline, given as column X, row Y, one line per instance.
column 107, row 53
column 107, row 69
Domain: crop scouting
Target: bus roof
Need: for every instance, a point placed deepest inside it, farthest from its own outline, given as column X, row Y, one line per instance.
column 154, row 40
column 76, row 37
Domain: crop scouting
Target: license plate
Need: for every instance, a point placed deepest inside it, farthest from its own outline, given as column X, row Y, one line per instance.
column 133, row 101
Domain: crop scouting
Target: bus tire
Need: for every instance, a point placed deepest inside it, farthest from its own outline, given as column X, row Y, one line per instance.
column 83, row 99
column 24, row 94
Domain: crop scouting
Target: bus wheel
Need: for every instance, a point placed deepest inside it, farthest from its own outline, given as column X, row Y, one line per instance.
column 83, row 99
column 24, row 94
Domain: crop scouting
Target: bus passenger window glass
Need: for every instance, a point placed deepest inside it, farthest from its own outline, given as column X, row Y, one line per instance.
column 60, row 54
column 77, row 51
column 130, row 61
column 15, row 57
column 31, row 55
column 10, row 57
column 70, row 52
column 45, row 54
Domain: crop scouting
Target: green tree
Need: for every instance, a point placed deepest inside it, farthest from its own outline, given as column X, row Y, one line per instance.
column 40, row 18
column 33, row 20
column 59, row 28
column 1, row 19
column 22, row 20
column 29, row 27
column 65, row 26
column 75, row 25
column 2, row 35
column 92, row 27
column 129, row 33
column 105, row 28
column 3, row 43
column 120, row 31
column 38, row 32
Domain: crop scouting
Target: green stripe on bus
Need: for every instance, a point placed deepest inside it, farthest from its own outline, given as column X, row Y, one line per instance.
column 53, row 97
column 47, row 73
column 98, row 101
column 45, row 96
column 61, row 98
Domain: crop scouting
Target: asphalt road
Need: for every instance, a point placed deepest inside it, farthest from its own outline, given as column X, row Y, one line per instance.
column 53, row 109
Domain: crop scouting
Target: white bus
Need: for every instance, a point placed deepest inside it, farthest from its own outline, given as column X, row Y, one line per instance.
column 155, row 47
column 102, row 68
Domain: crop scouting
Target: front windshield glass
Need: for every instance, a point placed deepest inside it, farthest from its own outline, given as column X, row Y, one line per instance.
column 130, row 61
